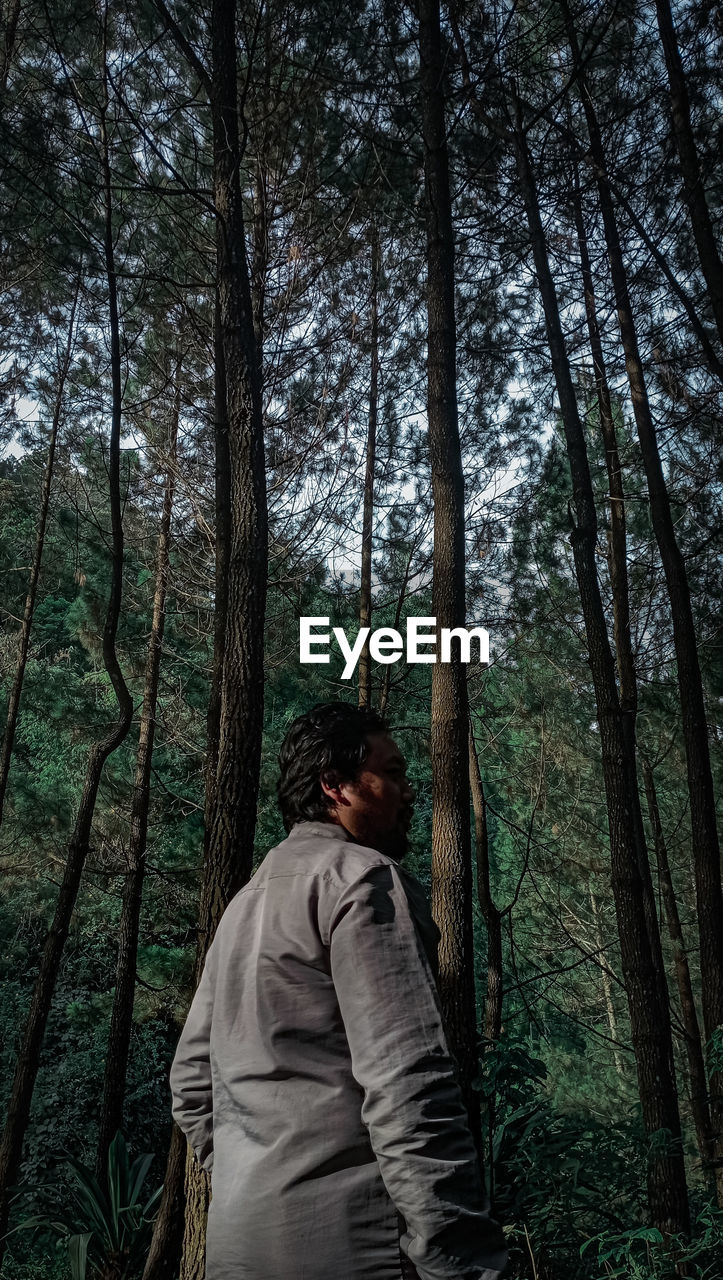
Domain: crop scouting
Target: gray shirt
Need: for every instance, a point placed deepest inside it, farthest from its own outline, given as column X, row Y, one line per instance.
column 313, row 1078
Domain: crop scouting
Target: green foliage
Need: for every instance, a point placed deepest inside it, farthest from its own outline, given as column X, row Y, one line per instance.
column 545, row 1169
column 566, row 1186
column 643, row 1254
column 106, row 1232
column 334, row 146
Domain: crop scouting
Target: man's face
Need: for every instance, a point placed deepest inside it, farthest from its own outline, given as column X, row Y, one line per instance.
column 376, row 808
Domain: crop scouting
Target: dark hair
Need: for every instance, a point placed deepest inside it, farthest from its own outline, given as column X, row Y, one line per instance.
column 329, row 739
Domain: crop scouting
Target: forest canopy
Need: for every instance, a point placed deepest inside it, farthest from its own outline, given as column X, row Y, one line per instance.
column 366, row 313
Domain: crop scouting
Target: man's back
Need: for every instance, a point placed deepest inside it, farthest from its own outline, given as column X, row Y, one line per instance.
column 314, row 1075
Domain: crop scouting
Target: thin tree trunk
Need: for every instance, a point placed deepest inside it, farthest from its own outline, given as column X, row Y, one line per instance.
column 164, row 1256
column 229, row 857
column 265, row 103
column 493, row 921
column 121, row 1023
column 365, row 586
column 387, row 676
column 32, row 1039
column 693, row 190
column 617, row 535
column 222, row 499
column 713, row 362
column 10, row 36
column 259, row 261
column 607, row 988
column 618, row 562
column 706, row 848
column 490, row 913
column 649, row 1017
column 691, row 1026
column 27, row 623
column 451, row 841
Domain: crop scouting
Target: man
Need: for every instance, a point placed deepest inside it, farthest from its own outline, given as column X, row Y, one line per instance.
column 313, row 1076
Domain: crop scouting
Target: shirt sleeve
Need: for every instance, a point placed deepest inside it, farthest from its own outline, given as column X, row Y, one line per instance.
column 191, row 1073
column 413, row 1106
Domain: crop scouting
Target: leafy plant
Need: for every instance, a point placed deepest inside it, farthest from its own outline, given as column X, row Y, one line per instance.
column 107, row 1232
column 544, row 1168
column 643, row 1254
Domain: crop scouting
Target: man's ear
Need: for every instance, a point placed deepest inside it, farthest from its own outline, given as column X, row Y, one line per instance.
column 334, row 787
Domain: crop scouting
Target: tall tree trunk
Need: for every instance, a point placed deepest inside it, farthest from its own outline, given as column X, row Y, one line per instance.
column 693, row 190
column 618, row 562
column 365, row 586
column 32, row 1038
column 27, row 623
column 493, row 920
column 222, row 500
column 164, row 1256
column 241, row 713
column 260, row 257
column 263, row 163
column 617, row 535
column 713, row 362
column 691, row 1026
column 706, row 848
column 402, row 596
column 121, row 1022
column 9, row 38
column 451, row 840
column 649, row 1016
column 229, row 856
column 607, row 988
column 490, row 913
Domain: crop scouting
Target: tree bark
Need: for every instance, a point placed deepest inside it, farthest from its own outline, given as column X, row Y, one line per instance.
column 241, row 712
column 490, row 913
column 121, row 1023
column 706, row 848
column 617, row 534
column 229, row 852
column 607, row 988
column 164, row 1256
column 27, row 623
column 10, row 36
column 618, row 563
column 714, row 364
column 693, row 190
column 649, row 1016
column 222, row 500
column 31, row 1042
column 260, row 257
column 365, row 586
column 402, row 596
column 493, row 921
column 691, row 1026
column 451, row 840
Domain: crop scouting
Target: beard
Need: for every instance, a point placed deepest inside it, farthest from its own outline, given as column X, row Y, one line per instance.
column 391, row 841
column 395, row 844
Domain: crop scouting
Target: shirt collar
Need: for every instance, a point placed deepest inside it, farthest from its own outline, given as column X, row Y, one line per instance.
column 319, row 830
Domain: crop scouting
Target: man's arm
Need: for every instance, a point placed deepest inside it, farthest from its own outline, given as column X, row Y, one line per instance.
column 412, row 1105
column 191, row 1073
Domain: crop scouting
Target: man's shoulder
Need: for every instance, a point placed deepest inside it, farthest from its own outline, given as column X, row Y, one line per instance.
column 315, row 864
column 323, row 850
column 320, row 861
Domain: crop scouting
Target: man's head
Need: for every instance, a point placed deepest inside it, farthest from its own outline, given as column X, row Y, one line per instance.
column 339, row 764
